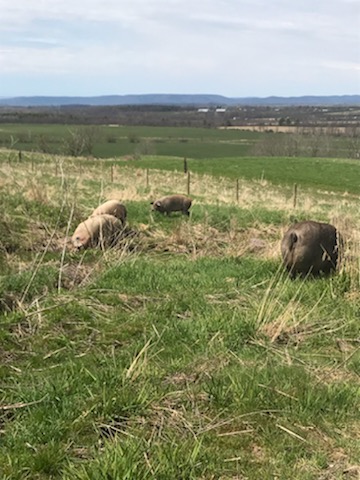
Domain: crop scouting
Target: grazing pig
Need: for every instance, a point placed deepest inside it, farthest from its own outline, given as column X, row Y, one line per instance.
column 310, row 248
column 172, row 203
column 98, row 230
column 111, row 207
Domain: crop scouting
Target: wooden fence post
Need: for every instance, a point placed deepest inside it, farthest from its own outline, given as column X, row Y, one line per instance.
column 295, row 195
column 188, row 182
column 185, row 166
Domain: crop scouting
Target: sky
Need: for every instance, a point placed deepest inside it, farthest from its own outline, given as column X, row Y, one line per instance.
column 236, row 48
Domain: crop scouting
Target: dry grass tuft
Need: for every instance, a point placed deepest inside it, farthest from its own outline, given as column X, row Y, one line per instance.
column 75, row 275
column 8, row 302
column 199, row 240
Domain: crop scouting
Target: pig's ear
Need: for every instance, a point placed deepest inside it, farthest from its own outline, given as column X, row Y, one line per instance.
column 157, row 204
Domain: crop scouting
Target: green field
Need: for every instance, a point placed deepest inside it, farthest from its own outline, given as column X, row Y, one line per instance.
column 185, row 352
column 110, row 141
column 106, row 141
column 322, row 173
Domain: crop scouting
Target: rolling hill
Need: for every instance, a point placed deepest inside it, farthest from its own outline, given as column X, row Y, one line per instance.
column 178, row 99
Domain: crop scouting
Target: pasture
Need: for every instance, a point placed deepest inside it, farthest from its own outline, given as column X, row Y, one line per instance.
column 117, row 140
column 326, row 174
column 109, row 141
column 185, row 352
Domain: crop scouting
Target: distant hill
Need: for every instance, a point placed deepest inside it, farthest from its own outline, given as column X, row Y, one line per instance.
column 180, row 99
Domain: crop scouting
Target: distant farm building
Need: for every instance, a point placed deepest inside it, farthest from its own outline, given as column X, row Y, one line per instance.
column 217, row 109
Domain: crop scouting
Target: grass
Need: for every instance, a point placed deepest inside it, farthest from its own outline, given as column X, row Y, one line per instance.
column 318, row 173
column 108, row 141
column 185, row 352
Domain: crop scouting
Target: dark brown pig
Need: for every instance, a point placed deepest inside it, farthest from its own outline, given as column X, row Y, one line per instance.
column 98, row 230
column 112, row 207
column 310, row 248
column 172, row 203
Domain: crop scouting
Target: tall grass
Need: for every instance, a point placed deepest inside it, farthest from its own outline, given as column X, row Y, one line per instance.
column 186, row 351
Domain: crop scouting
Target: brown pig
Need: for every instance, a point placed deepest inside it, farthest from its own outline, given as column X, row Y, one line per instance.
column 310, row 248
column 112, row 207
column 100, row 230
column 172, row 203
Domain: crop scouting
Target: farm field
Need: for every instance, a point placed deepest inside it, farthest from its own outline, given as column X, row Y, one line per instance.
column 115, row 140
column 109, row 141
column 185, row 352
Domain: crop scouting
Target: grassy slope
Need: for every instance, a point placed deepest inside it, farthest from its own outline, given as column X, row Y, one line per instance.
column 187, row 354
column 323, row 173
